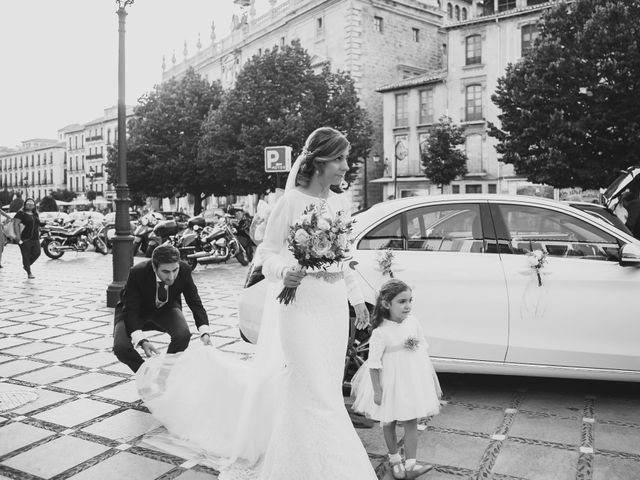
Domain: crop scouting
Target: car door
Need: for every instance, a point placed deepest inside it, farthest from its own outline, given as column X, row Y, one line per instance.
column 583, row 312
column 459, row 292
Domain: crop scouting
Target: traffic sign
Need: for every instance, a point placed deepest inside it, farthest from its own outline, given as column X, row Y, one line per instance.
column 277, row 159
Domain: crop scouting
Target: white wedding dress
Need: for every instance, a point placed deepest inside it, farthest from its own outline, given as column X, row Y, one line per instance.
column 280, row 416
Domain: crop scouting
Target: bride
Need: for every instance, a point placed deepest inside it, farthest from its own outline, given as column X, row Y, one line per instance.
column 281, row 415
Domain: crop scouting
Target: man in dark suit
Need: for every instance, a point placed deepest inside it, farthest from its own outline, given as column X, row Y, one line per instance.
column 151, row 300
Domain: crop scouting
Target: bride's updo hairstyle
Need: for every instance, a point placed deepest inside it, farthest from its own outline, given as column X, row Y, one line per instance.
column 324, row 145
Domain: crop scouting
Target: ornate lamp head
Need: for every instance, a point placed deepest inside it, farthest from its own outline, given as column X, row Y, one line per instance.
column 124, row 3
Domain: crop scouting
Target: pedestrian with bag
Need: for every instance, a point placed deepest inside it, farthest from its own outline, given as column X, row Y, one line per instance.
column 26, row 225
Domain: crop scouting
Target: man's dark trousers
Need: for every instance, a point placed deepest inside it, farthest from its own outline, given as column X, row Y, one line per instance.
column 169, row 320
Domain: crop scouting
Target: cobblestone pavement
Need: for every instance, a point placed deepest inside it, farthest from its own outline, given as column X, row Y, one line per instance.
column 68, row 409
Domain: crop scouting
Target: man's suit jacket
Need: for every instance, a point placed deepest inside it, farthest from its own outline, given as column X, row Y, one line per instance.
column 138, row 297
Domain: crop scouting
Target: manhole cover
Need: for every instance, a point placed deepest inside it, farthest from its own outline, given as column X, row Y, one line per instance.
column 15, row 399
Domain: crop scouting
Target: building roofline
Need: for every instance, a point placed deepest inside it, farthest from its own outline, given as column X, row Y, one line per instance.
column 425, row 79
column 499, row 15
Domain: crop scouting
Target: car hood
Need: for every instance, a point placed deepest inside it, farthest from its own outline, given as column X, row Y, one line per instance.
column 627, row 179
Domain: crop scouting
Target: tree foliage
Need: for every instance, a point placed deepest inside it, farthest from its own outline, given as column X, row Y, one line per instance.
column 442, row 160
column 5, row 197
column 64, row 195
column 164, row 132
column 48, row 204
column 278, row 100
column 571, row 108
column 91, row 195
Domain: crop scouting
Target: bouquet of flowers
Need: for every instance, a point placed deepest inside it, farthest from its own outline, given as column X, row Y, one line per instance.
column 537, row 259
column 385, row 262
column 317, row 241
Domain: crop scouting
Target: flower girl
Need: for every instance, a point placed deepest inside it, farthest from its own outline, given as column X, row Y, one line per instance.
column 398, row 382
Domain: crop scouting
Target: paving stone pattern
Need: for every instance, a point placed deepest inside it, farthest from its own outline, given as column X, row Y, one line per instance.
column 69, row 410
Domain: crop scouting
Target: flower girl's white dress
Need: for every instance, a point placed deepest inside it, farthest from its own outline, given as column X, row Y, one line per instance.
column 410, row 387
column 282, row 414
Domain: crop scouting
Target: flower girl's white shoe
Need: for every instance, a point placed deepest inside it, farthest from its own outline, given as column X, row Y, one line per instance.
column 398, row 471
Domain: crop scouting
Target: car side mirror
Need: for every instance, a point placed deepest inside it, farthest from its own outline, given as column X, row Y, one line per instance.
column 630, row 255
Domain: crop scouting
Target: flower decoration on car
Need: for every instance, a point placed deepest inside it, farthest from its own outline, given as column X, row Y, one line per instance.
column 412, row 343
column 537, row 260
column 318, row 241
column 385, row 262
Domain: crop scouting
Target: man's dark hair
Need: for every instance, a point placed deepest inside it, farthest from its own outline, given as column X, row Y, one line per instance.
column 165, row 254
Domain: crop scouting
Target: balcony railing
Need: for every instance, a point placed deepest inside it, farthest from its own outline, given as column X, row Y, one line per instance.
column 93, row 139
column 94, row 156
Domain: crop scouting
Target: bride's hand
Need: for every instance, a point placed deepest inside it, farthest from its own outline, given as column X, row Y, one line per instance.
column 362, row 316
column 293, row 277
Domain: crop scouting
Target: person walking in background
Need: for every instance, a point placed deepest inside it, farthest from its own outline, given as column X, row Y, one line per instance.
column 398, row 383
column 27, row 220
column 3, row 238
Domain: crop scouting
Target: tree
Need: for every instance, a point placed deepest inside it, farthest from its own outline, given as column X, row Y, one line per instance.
column 91, row 195
column 164, row 132
column 64, row 195
column 48, row 204
column 443, row 162
column 17, row 203
column 571, row 109
column 5, row 197
column 278, row 100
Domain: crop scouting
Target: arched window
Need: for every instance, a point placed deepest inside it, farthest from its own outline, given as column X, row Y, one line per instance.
column 464, row 13
column 449, row 10
column 457, row 12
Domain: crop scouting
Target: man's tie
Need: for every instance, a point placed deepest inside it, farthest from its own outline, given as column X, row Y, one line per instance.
column 162, row 293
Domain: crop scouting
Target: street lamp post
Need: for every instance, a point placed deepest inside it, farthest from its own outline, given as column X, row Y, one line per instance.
column 123, row 240
column 91, row 174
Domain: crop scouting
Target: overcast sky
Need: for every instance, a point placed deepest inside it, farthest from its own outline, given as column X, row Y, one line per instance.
column 59, row 58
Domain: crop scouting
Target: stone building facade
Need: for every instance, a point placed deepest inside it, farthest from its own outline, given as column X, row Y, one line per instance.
column 86, row 145
column 376, row 41
column 478, row 51
column 34, row 169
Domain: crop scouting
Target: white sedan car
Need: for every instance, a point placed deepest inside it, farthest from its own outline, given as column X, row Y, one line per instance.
column 470, row 262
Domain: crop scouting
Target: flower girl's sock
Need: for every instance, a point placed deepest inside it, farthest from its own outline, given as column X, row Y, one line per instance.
column 409, row 463
column 395, row 458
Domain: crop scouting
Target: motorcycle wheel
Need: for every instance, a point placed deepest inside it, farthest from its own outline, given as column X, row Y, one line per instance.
column 51, row 249
column 100, row 246
column 241, row 256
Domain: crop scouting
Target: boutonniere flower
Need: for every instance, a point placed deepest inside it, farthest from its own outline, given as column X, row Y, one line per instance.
column 537, row 260
column 385, row 262
column 412, row 343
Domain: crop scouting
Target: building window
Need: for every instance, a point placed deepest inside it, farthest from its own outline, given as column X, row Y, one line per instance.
column 473, row 103
column 416, row 34
column 473, row 188
column 493, row 188
column 506, row 5
column 449, row 10
column 402, row 112
column 473, row 150
column 319, row 27
column 455, row 188
column 535, row 2
column 377, row 24
column 282, row 41
column 529, row 35
column 108, row 136
column 426, row 106
column 457, row 10
column 473, row 50
column 464, row 13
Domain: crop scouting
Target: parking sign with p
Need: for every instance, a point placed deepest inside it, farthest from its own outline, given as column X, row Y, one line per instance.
column 277, row 159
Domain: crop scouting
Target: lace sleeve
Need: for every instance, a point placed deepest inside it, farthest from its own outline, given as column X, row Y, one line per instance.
column 275, row 236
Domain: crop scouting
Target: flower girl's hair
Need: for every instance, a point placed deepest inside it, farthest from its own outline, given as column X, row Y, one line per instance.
column 323, row 145
column 389, row 290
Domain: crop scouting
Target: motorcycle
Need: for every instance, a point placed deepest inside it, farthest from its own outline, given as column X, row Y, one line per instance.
column 56, row 240
column 143, row 230
column 192, row 240
column 161, row 233
column 220, row 244
column 242, row 227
